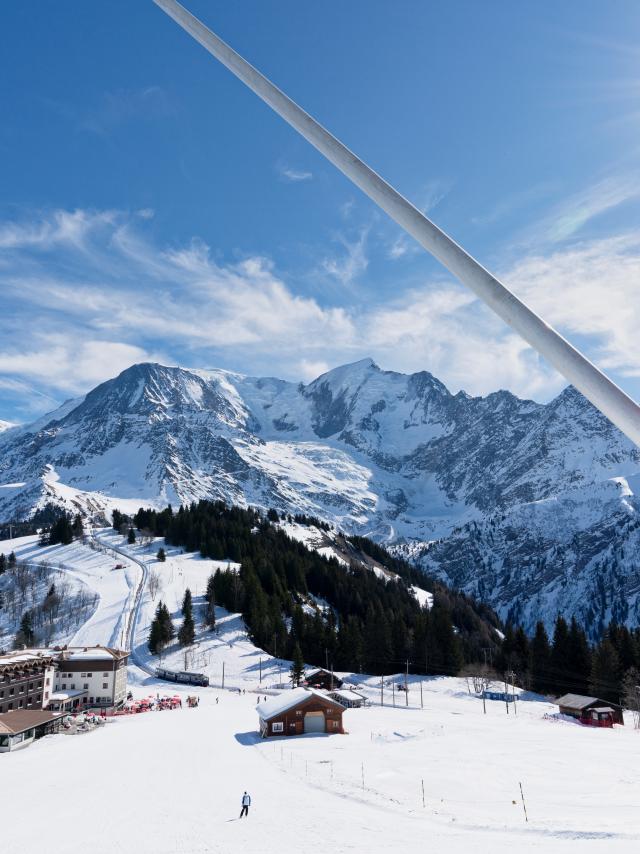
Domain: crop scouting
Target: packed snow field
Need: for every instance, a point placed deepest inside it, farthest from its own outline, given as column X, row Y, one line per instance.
column 172, row 782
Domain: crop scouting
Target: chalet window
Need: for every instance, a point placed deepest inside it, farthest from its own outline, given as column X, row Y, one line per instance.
column 73, row 686
column 278, row 726
column 40, row 684
column 63, row 686
column 86, row 685
column 299, row 712
column 10, row 706
column 89, row 675
column 11, row 690
column 105, row 686
column 1, row 694
column 104, row 675
column 31, row 686
column 83, row 675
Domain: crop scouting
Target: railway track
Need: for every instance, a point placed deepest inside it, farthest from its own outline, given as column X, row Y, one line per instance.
column 128, row 634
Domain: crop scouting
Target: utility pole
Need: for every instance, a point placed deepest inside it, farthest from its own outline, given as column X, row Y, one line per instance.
column 382, row 690
column 421, row 703
column 506, row 695
column 261, row 670
column 512, row 679
column 393, row 691
column 484, row 700
column 223, row 675
column 406, row 684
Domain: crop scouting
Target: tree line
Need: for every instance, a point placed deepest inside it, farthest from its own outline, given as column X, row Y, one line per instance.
column 347, row 617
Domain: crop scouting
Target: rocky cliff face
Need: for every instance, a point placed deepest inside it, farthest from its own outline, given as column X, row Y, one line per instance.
column 532, row 507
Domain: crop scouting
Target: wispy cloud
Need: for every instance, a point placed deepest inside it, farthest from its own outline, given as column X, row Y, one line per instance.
column 350, row 263
column 108, row 296
column 572, row 214
column 123, row 105
column 287, row 173
column 432, row 194
column 512, row 203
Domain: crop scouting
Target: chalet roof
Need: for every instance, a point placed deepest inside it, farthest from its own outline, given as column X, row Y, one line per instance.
column 576, row 701
column 579, row 702
column 20, row 720
column 289, row 699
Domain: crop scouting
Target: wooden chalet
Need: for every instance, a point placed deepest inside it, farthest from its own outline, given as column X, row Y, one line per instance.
column 299, row 712
column 322, row 679
column 591, row 711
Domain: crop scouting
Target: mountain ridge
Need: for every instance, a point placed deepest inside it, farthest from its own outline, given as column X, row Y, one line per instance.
column 459, row 484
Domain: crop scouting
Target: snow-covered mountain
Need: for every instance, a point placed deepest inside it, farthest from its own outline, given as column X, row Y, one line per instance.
column 533, row 507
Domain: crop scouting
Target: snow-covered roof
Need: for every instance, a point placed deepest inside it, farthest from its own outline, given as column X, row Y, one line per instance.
column 61, row 696
column 25, row 656
column 277, row 705
column 79, row 653
column 347, row 694
column 575, row 701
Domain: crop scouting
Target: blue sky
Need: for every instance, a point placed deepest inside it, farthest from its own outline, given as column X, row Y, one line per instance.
column 152, row 208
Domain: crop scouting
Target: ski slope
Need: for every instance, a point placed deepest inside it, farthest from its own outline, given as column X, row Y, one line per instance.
column 177, row 779
column 172, row 782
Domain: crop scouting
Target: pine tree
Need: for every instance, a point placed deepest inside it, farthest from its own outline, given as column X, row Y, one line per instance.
column 162, row 555
column 3, row 563
column 11, row 563
column 162, row 631
column 25, row 635
column 155, row 637
column 61, row 531
column 187, row 632
column 539, row 660
column 131, row 537
column 297, row 666
column 166, row 624
column 604, row 681
column 77, row 529
column 210, row 608
column 578, row 658
column 560, row 677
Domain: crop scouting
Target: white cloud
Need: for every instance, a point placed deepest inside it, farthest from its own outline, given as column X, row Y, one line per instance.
column 590, row 290
column 62, row 227
column 347, row 266
column 309, row 369
column 69, row 364
column 119, row 299
column 574, row 213
column 294, row 175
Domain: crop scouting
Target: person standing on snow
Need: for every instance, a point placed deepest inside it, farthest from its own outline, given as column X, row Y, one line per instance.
column 246, row 803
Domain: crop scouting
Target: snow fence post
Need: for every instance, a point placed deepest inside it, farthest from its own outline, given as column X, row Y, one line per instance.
column 524, row 806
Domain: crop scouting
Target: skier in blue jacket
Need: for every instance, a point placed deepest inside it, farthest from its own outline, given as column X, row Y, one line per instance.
column 246, row 803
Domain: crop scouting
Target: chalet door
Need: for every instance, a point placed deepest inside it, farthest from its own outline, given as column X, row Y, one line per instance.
column 314, row 722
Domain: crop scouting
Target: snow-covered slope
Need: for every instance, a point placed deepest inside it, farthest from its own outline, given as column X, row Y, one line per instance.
column 508, row 498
